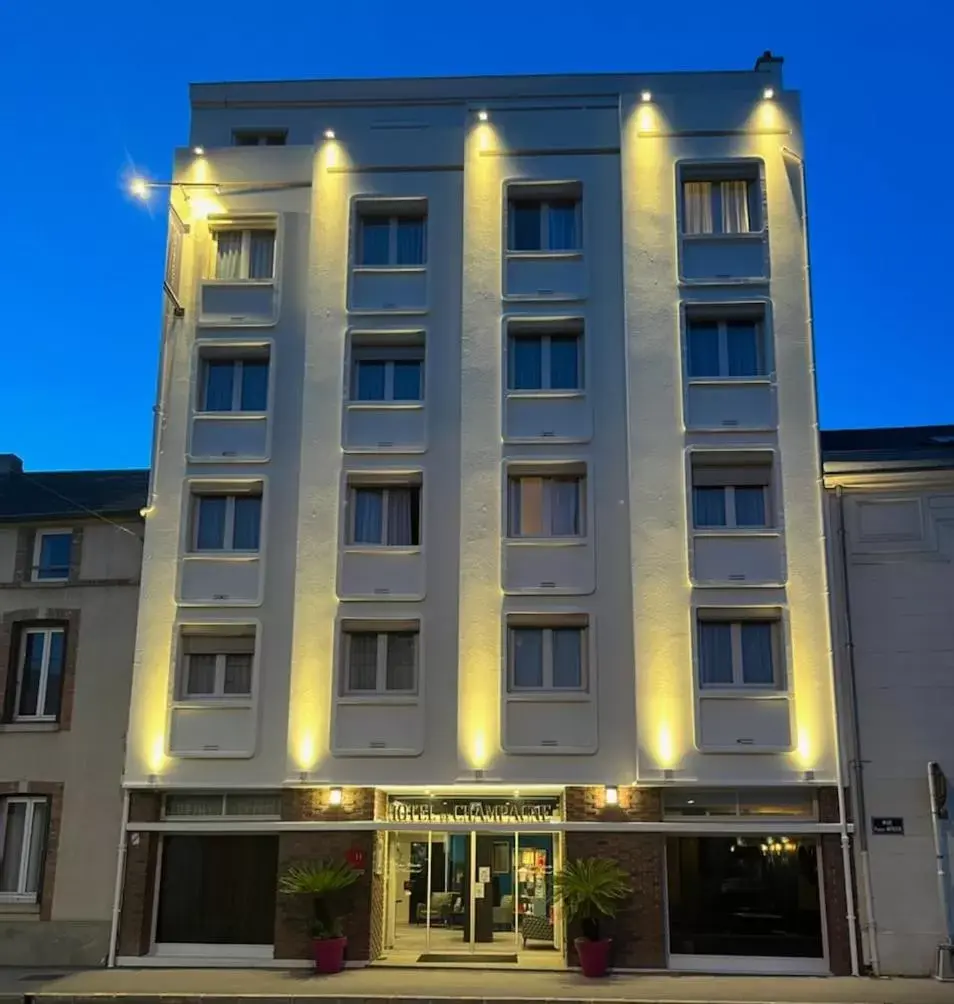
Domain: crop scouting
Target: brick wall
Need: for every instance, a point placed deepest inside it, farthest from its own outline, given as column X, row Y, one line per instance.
column 638, row 930
column 832, row 878
column 313, row 804
column 53, row 790
column 142, row 850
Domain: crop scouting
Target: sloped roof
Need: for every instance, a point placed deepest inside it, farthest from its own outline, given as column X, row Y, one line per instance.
column 47, row 495
column 902, row 446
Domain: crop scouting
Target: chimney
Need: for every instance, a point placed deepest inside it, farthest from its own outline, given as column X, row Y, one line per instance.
column 10, row 464
column 769, row 62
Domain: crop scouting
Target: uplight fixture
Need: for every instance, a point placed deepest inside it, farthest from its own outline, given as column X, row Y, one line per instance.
column 482, row 116
column 334, row 796
column 646, row 96
column 199, row 151
column 329, row 134
column 612, row 794
column 768, row 93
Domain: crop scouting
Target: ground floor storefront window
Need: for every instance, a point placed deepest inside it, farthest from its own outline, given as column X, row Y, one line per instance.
column 752, row 896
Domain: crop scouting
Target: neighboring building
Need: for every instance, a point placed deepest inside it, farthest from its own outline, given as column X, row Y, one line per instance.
column 70, row 551
column 890, row 495
column 487, row 526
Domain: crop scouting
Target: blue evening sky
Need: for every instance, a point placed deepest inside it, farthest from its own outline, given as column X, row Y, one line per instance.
column 92, row 88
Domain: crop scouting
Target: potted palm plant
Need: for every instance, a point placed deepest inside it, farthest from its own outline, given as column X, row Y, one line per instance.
column 591, row 888
column 327, row 883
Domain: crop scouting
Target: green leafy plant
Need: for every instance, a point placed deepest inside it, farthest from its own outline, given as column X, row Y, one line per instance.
column 591, row 888
column 327, row 883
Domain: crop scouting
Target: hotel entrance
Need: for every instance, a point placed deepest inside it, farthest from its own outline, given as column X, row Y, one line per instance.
column 472, row 895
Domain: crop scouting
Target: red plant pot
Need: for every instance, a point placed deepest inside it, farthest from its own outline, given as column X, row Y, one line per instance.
column 593, row 955
column 329, row 954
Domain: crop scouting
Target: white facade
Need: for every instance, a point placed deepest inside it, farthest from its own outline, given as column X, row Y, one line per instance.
column 637, row 431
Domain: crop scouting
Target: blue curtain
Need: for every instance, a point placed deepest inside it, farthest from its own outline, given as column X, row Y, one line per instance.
column 401, row 523
column 715, row 653
column 567, row 658
column 708, row 506
column 248, row 518
column 375, row 240
column 564, row 362
column 261, row 256
column 527, row 657
column 561, row 226
column 703, row 349
column 218, row 385
column 410, row 241
column 407, row 380
column 525, row 363
column 368, row 516
column 400, row 661
column 254, row 386
column 369, row 380
column 362, row 661
column 757, row 663
column 565, row 507
column 743, row 349
column 525, row 226
column 749, row 505
column 210, row 530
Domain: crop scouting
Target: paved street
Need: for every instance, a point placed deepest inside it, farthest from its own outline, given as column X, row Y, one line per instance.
column 419, row 985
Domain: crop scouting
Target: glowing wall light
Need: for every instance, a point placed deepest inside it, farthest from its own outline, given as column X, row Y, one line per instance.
column 334, row 796
column 612, row 794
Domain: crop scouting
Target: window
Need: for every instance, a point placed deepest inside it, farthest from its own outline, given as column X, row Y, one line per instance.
column 546, row 506
column 245, row 254
column 240, row 803
column 266, row 137
column 39, row 681
column 386, row 239
column 387, row 372
column 51, row 555
column 549, row 657
column 544, row 359
column 23, row 830
column 234, row 384
column 726, row 495
column 216, row 665
column 385, row 515
column 725, row 348
column 226, row 522
column 380, row 662
column 741, row 653
column 544, row 222
column 720, row 206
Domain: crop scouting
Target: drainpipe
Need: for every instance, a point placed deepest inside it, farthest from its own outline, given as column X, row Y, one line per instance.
column 118, row 890
column 859, row 811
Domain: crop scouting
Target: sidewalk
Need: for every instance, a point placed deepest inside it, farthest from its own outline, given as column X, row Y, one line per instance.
column 416, row 986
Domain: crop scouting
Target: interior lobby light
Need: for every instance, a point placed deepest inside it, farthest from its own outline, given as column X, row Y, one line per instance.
column 768, row 93
column 329, row 134
column 612, row 794
column 646, row 96
column 334, row 796
column 483, row 116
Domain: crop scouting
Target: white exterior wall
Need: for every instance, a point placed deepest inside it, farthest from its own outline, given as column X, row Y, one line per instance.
column 899, row 540
column 631, row 575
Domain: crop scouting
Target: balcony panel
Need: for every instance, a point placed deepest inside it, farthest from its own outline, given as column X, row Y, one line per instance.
column 236, row 437
column 389, row 289
column 381, row 574
column 373, row 429
column 553, row 418
column 737, row 558
column 719, row 256
column 212, row 731
column 208, row 580
column 730, row 406
column 745, row 724
column 235, row 304
column 546, row 277
column 554, row 569
column 387, row 729
column 550, row 726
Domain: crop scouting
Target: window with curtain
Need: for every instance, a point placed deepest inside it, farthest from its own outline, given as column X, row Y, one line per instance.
column 234, row 385
column 546, row 506
column 51, row 560
column 740, row 653
column 716, row 206
column 24, row 823
column 227, row 522
column 380, row 662
column 39, row 679
column 537, row 224
column 244, row 254
column 549, row 657
column 730, row 496
column 216, row 666
column 387, row 372
column 544, row 361
column 388, row 240
column 725, row 348
column 385, row 515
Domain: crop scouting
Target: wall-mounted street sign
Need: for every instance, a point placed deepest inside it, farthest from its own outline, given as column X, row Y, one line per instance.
column 417, row 809
column 888, row 824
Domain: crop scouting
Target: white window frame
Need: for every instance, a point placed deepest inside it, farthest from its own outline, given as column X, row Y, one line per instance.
column 738, row 681
column 545, row 370
column 47, row 633
column 218, row 694
column 547, row 686
column 547, row 511
column 229, row 529
column 385, row 489
column 730, row 516
column 367, row 212
column 238, row 365
column 21, row 895
column 380, row 689
column 723, row 324
column 544, row 202
column 223, row 800
column 38, row 550
column 245, row 229
column 357, row 352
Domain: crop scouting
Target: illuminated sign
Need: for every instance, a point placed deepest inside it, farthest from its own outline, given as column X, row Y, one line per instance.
column 414, row 809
